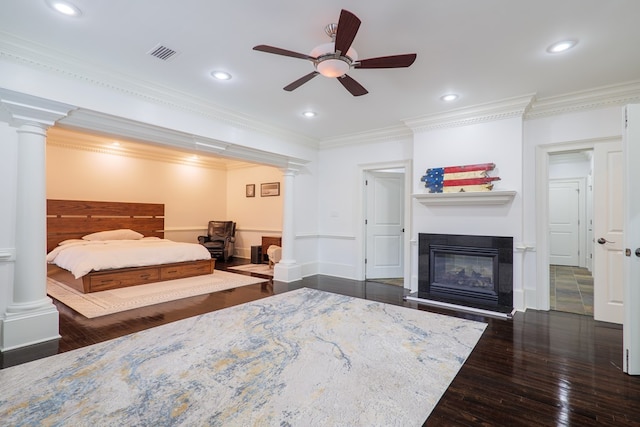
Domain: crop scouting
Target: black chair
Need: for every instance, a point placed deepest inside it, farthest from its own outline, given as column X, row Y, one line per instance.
column 220, row 239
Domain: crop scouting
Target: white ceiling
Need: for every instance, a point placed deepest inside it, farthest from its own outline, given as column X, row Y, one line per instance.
column 484, row 50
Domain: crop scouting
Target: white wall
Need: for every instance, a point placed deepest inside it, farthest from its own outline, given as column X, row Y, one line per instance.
column 570, row 169
column 254, row 216
column 555, row 132
column 8, row 177
column 498, row 142
column 340, row 198
column 307, row 206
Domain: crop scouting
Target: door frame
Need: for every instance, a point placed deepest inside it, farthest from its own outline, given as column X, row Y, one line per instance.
column 362, row 210
column 543, row 288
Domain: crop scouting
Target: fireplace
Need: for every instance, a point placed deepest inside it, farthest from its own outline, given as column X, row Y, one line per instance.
column 474, row 271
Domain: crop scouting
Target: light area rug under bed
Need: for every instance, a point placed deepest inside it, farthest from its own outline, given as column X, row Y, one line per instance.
column 304, row 357
column 64, row 288
column 254, row 268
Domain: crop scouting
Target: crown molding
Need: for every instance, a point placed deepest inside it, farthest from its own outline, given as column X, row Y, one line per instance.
column 602, row 97
column 392, row 133
column 19, row 108
column 36, row 56
column 489, row 112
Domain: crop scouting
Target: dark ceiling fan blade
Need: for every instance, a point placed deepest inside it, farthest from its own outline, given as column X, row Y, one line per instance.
column 352, row 86
column 283, row 52
column 300, row 81
column 348, row 25
column 395, row 61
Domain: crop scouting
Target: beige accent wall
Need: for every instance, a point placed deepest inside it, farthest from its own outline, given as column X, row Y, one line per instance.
column 192, row 194
column 255, row 216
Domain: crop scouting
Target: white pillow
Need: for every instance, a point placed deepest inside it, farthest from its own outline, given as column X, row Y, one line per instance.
column 66, row 242
column 121, row 234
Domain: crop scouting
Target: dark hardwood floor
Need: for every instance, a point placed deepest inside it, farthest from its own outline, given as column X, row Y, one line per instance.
column 539, row 369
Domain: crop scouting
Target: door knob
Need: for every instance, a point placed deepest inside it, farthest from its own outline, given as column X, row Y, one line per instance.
column 638, row 252
column 602, row 241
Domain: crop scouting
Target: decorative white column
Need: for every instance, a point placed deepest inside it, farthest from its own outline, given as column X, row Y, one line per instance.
column 287, row 270
column 31, row 317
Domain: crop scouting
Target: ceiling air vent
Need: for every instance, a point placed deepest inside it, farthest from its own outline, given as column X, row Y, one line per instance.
column 162, row 52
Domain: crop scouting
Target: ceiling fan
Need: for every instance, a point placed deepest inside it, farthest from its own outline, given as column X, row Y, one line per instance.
column 336, row 58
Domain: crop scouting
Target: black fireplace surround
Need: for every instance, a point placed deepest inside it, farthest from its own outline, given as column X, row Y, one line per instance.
column 474, row 271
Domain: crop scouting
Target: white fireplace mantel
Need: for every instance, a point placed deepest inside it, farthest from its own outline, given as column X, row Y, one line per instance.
column 470, row 198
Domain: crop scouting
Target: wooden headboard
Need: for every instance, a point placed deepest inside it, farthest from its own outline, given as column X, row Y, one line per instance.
column 72, row 219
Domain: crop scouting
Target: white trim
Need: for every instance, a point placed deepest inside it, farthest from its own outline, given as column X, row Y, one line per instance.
column 542, row 291
column 601, row 97
column 392, row 133
column 470, row 198
column 7, row 254
column 258, row 230
column 463, row 308
column 489, row 112
column 408, row 181
column 337, row 236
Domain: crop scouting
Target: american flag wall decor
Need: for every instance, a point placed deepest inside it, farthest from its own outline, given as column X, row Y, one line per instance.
column 458, row 179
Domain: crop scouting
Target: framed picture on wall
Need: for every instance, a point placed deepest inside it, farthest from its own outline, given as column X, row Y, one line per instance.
column 270, row 189
column 251, row 190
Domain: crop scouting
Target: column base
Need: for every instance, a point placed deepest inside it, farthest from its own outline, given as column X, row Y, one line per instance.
column 287, row 272
column 29, row 328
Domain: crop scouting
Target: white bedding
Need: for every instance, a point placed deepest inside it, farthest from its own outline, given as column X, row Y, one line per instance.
column 81, row 257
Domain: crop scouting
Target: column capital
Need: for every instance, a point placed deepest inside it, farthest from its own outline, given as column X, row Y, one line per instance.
column 19, row 109
column 292, row 168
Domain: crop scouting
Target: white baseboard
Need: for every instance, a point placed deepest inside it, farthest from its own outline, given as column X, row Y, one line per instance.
column 29, row 328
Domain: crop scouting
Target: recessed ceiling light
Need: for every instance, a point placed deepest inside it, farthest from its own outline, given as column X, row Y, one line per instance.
column 449, row 97
column 64, row 7
column 309, row 114
column 115, row 144
column 220, row 75
column 562, row 46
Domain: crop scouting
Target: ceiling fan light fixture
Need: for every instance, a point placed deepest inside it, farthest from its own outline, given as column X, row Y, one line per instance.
column 329, row 63
column 332, row 68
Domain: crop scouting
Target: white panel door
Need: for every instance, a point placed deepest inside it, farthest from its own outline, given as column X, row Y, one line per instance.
column 631, row 328
column 384, row 225
column 608, row 224
column 564, row 224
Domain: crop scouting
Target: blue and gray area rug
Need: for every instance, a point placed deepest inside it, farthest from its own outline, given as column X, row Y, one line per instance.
column 300, row 358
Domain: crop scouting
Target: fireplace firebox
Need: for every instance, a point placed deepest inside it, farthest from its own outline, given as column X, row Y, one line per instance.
column 475, row 271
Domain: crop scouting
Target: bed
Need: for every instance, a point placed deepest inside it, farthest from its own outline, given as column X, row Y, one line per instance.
column 68, row 221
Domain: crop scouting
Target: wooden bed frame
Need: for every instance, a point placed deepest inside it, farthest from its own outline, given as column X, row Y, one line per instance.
column 72, row 219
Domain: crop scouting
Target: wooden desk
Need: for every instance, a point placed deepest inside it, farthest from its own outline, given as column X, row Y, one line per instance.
column 268, row 241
